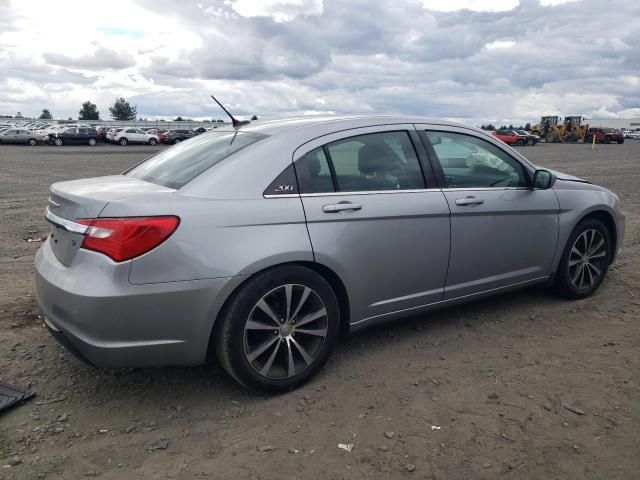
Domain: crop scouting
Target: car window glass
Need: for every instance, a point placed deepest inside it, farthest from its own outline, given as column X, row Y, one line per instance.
column 471, row 162
column 176, row 166
column 314, row 174
column 70, row 130
column 376, row 161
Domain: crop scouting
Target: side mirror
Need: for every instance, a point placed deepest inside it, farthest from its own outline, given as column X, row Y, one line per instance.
column 543, row 179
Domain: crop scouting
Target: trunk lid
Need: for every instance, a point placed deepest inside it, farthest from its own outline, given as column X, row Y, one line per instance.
column 86, row 198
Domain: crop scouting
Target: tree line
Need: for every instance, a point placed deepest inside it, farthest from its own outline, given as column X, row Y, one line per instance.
column 490, row 126
column 121, row 110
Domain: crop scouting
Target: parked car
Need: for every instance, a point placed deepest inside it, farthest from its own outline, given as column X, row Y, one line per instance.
column 266, row 243
column 176, row 136
column 634, row 135
column 20, row 135
column 531, row 139
column 112, row 132
column 510, row 137
column 604, row 135
column 74, row 135
column 134, row 135
column 101, row 133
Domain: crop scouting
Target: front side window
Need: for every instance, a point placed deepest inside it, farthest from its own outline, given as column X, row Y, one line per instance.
column 471, row 162
column 363, row 163
column 176, row 166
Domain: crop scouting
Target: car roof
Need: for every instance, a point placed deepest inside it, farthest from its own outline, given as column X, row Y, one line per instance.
column 276, row 126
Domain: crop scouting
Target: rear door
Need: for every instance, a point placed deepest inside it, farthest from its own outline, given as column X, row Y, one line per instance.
column 22, row 136
column 503, row 232
column 375, row 219
column 10, row 136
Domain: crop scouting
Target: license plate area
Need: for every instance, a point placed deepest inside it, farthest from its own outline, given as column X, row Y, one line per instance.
column 64, row 244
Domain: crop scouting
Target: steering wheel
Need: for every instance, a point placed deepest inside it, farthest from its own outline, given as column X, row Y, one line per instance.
column 498, row 181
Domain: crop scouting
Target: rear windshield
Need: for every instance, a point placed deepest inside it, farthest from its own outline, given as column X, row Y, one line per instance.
column 178, row 165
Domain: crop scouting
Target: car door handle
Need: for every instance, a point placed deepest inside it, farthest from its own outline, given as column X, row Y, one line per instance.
column 339, row 207
column 470, row 200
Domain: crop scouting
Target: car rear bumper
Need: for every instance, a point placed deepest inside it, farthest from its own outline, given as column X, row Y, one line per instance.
column 108, row 322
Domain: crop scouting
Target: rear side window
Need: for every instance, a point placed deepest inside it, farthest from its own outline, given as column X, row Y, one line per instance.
column 371, row 162
column 176, row 166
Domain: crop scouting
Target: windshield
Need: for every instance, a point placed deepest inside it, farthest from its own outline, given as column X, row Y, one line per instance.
column 178, row 165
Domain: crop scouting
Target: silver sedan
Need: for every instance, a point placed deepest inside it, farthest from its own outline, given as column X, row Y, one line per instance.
column 265, row 242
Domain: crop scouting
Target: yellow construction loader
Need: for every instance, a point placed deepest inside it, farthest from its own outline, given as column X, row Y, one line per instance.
column 569, row 131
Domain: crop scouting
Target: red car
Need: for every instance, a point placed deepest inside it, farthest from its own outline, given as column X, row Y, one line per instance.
column 510, row 137
column 604, row 135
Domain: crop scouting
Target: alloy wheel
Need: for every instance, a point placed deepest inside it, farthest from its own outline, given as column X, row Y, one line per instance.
column 285, row 331
column 587, row 259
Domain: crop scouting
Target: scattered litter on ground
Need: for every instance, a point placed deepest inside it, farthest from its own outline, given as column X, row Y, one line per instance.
column 572, row 408
column 346, row 446
column 11, row 396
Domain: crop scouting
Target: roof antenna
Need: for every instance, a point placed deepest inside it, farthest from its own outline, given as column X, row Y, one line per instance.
column 234, row 121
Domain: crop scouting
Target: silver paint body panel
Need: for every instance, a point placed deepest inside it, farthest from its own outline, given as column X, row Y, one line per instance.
column 401, row 252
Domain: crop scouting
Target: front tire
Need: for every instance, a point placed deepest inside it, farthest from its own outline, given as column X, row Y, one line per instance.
column 123, row 142
column 58, row 142
column 585, row 260
column 32, row 142
column 177, row 140
column 152, row 141
column 92, row 141
column 278, row 330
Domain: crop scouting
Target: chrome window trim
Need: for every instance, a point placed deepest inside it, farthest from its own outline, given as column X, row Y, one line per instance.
column 68, row 225
column 482, row 189
column 386, row 192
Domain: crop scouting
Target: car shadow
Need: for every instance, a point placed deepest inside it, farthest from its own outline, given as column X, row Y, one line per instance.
column 210, row 383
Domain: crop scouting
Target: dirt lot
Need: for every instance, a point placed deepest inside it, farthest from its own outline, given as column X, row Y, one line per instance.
column 472, row 392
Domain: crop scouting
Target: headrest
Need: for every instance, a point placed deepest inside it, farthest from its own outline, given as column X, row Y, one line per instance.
column 378, row 157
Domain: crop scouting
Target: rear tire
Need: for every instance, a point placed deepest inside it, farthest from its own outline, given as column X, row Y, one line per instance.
column 123, row 142
column 58, row 142
column 520, row 143
column 177, row 140
column 621, row 141
column 278, row 347
column 152, row 141
column 32, row 142
column 92, row 141
column 585, row 260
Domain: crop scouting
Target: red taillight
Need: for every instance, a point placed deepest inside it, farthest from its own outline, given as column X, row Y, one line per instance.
column 129, row 237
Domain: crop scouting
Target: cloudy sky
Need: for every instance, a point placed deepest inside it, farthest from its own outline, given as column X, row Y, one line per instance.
column 476, row 60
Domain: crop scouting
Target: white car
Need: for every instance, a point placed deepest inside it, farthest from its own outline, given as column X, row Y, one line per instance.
column 635, row 135
column 134, row 135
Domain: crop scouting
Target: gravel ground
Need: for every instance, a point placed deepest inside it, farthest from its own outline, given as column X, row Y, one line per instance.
column 472, row 392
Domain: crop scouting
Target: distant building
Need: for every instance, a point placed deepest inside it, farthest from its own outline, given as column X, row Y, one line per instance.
column 619, row 123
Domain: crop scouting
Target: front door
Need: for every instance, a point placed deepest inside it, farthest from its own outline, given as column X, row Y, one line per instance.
column 503, row 232
column 372, row 218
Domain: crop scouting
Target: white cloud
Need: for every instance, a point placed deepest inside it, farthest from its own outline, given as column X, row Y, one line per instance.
column 547, row 3
column 280, row 10
column 475, row 5
column 498, row 61
column 500, row 44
